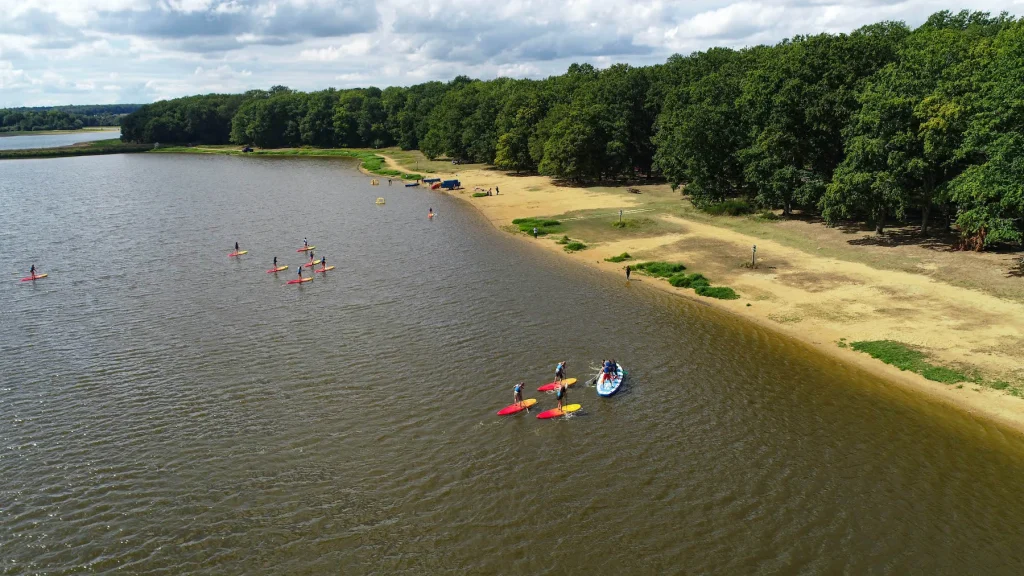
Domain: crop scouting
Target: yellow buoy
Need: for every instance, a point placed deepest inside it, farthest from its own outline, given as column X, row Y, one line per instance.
column 380, row 201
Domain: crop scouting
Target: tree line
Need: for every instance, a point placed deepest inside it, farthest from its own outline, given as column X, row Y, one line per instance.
column 62, row 117
column 885, row 122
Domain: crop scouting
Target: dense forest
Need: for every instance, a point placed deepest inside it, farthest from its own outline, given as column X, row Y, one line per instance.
column 884, row 122
column 63, row 117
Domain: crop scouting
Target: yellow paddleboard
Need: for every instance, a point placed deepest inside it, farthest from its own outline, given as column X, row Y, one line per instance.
column 325, row 269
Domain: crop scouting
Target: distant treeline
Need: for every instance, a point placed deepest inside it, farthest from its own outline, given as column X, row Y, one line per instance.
column 63, row 117
column 880, row 123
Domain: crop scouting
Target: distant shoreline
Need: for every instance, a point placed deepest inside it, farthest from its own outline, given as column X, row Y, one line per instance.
column 52, row 132
column 92, row 148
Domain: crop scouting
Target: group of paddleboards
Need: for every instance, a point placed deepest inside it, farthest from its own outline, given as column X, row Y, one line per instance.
column 608, row 381
column 311, row 263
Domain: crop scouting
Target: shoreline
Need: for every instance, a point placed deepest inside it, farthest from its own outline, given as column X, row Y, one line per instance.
column 53, row 132
column 813, row 296
column 991, row 405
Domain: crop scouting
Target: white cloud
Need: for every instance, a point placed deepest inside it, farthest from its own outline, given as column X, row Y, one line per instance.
column 148, row 49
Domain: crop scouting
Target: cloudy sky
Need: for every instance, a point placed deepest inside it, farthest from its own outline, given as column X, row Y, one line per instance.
column 109, row 51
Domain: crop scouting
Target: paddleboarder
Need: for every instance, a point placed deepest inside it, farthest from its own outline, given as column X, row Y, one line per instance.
column 236, row 247
column 305, row 243
column 32, row 272
column 562, row 394
column 517, row 393
column 323, row 263
column 300, row 272
column 311, row 258
column 560, row 371
column 275, row 262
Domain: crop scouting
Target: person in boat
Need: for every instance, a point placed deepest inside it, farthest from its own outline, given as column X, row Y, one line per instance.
column 517, row 393
column 607, row 369
column 615, row 368
column 562, row 394
column 560, row 371
column 236, row 247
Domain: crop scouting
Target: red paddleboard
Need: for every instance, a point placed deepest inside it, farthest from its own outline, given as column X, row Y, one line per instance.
column 555, row 412
column 311, row 264
column 300, row 281
column 517, row 408
column 36, row 277
column 554, row 385
column 306, row 248
column 239, row 253
column 278, row 269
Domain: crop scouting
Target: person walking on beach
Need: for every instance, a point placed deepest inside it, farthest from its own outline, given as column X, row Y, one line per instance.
column 535, row 232
column 628, row 270
column 517, row 393
column 497, row 190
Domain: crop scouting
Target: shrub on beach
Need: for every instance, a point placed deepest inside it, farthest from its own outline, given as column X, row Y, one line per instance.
column 574, row 246
column 479, row 194
column 720, row 292
column 619, row 258
column 688, row 280
column 563, row 240
column 660, row 269
column 543, row 226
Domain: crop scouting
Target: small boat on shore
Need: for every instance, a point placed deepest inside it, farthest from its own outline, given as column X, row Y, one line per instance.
column 607, row 386
column 412, row 185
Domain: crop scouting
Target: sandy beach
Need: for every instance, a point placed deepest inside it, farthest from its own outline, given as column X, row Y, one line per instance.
column 823, row 286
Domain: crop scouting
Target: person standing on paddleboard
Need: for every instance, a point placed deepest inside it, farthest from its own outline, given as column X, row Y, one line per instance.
column 300, row 272
column 275, row 262
column 305, row 242
column 32, row 272
column 236, row 247
column 560, row 370
column 562, row 394
column 323, row 263
column 517, row 393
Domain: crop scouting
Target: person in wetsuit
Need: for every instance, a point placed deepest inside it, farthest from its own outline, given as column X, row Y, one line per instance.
column 517, row 393
column 323, row 263
column 562, row 394
column 560, row 371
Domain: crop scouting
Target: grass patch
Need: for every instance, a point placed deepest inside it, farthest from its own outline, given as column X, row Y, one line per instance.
column 768, row 215
column 660, row 269
column 906, row 358
column 96, row 147
column 620, row 258
column 729, row 207
column 575, row 246
column 479, row 194
column 720, row 292
column 563, row 240
column 632, row 223
column 544, row 226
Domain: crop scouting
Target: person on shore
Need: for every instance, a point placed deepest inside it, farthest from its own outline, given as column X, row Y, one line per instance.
column 517, row 393
column 562, row 394
column 535, row 232
column 497, row 190
column 628, row 270
column 560, row 371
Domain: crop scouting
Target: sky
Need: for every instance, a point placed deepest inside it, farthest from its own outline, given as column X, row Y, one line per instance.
column 56, row 52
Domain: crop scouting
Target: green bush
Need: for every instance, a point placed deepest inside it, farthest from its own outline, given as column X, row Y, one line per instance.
column 729, row 207
column 574, row 246
column 720, row 292
column 543, row 226
column 906, row 358
column 618, row 224
column 621, row 257
column 562, row 240
column 479, row 194
column 688, row 280
column 768, row 215
column 660, row 269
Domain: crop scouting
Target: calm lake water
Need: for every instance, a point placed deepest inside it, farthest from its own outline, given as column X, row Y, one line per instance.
column 165, row 409
column 55, row 140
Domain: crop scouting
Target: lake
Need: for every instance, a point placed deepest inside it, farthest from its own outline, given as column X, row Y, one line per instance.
column 55, row 140
column 165, row 409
